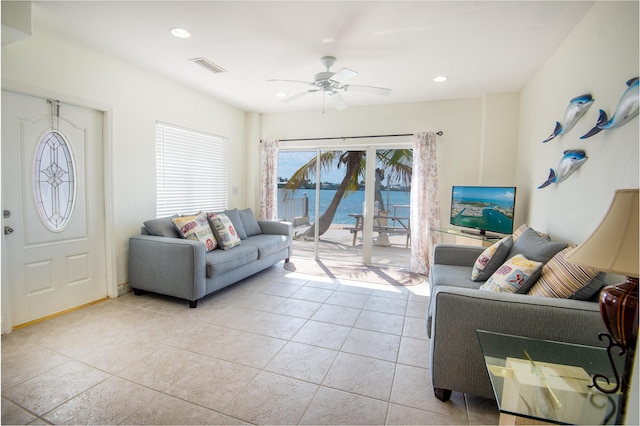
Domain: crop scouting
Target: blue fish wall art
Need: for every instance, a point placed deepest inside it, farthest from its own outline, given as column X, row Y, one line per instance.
column 626, row 110
column 574, row 112
column 570, row 162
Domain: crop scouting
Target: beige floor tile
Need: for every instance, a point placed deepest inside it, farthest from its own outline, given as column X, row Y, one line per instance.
column 277, row 289
column 325, row 335
column 335, row 314
column 162, row 368
column 297, row 308
column 48, row 390
column 301, row 361
column 414, row 352
column 391, row 292
column 335, row 407
column 22, row 360
column 384, row 304
column 233, row 316
column 276, row 325
column 214, row 384
column 401, row 415
column 373, row 344
column 13, row 414
column 361, row 375
column 348, row 299
column 272, row 399
column 482, row 411
column 415, row 327
column 326, row 283
column 380, row 321
column 417, row 309
column 357, row 287
column 167, row 410
column 312, row 294
column 110, row 402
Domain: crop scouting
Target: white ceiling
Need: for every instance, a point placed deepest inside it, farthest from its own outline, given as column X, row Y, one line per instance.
column 481, row 46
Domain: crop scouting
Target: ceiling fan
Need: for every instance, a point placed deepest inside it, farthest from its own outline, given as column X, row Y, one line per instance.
column 331, row 84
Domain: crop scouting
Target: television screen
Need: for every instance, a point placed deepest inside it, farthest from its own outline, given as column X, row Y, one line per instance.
column 487, row 208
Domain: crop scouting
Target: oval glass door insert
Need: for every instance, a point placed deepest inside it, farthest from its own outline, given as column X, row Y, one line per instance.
column 54, row 181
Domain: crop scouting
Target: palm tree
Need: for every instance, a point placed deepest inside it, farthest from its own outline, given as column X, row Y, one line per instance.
column 397, row 164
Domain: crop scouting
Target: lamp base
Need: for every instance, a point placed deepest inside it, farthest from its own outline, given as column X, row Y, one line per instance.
column 619, row 311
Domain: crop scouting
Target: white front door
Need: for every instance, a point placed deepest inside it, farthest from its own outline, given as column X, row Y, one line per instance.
column 53, row 242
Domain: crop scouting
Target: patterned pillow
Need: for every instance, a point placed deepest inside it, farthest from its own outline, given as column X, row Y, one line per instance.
column 561, row 278
column 516, row 234
column 490, row 259
column 224, row 231
column 196, row 227
column 516, row 275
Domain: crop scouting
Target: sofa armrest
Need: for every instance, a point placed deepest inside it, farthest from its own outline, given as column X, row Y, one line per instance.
column 453, row 254
column 276, row 227
column 171, row 266
column 456, row 360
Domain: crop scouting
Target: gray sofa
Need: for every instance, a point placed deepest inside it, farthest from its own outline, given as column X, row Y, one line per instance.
column 160, row 261
column 458, row 308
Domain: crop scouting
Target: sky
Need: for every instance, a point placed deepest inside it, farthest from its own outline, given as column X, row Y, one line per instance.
column 289, row 162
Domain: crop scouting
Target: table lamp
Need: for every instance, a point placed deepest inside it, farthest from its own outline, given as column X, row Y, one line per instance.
column 613, row 248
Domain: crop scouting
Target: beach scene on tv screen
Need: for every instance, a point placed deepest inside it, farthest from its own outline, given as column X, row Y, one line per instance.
column 485, row 208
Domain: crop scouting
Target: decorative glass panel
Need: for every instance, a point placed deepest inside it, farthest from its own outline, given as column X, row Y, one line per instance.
column 54, row 181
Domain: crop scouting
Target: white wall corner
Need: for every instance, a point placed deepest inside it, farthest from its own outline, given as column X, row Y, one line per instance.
column 16, row 21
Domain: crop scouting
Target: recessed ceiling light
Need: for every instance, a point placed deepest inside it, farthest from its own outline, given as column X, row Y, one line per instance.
column 281, row 94
column 180, row 32
column 440, row 79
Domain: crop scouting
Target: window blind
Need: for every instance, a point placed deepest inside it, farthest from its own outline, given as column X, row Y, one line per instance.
column 191, row 171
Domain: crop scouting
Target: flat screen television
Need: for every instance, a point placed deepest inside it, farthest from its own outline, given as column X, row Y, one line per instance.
column 485, row 208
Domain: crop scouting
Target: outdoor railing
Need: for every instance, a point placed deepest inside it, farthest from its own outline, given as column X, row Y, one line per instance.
column 295, row 210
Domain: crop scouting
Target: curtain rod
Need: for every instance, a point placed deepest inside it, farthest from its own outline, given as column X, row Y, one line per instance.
column 439, row 133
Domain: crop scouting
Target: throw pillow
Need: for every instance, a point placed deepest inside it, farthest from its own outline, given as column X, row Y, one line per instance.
column 534, row 247
column 251, row 225
column 196, row 227
column 516, row 275
column 516, row 234
column 162, row 227
column 223, row 230
column 234, row 215
column 561, row 278
column 490, row 259
column 591, row 291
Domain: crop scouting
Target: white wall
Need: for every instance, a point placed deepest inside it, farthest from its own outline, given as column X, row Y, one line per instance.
column 136, row 100
column 598, row 57
column 469, row 152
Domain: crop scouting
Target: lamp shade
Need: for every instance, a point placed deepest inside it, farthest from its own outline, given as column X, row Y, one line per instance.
column 613, row 246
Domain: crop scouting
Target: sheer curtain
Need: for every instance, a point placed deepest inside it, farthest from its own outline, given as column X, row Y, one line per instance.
column 425, row 208
column 269, row 179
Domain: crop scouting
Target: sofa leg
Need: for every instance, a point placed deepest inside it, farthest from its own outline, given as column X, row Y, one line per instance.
column 193, row 304
column 138, row 292
column 442, row 394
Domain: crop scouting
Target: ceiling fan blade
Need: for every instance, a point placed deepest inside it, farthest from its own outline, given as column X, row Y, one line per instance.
column 339, row 101
column 297, row 95
column 368, row 89
column 292, row 81
column 343, row 75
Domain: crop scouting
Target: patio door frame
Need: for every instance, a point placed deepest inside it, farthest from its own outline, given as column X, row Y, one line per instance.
column 369, row 193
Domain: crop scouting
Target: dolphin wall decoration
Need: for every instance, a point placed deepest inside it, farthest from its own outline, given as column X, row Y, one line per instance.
column 570, row 162
column 626, row 110
column 575, row 110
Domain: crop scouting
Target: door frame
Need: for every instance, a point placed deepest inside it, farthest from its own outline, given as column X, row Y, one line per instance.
column 107, row 155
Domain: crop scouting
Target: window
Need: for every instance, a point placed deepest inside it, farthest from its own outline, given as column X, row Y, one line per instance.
column 191, row 171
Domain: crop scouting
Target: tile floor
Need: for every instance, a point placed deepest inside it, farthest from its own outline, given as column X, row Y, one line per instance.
column 277, row 348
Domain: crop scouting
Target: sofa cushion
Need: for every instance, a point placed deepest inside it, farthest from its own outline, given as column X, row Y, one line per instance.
column 267, row 243
column 534, row 247
column 250, row 222
column 221, row 261
column 516, row 275
column 162, row 227
column 224, row 231
column 196, row 227
column 234, row 216
column 491, row 259
column 561, row 278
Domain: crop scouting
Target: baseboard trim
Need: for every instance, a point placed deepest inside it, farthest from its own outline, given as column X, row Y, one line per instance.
column 58, row 314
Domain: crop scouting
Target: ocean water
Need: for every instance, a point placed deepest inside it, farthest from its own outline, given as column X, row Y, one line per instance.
column 351, row 204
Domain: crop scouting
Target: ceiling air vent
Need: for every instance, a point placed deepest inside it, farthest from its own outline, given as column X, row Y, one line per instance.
column 204, row 62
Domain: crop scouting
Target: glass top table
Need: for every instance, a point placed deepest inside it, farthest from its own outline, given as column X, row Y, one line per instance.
column 549, row 381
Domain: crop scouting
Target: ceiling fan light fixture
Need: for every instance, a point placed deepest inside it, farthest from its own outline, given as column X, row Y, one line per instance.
column 180, row 32
column 440, row 79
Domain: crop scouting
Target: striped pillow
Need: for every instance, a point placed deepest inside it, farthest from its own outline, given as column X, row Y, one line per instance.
column 561, row 278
